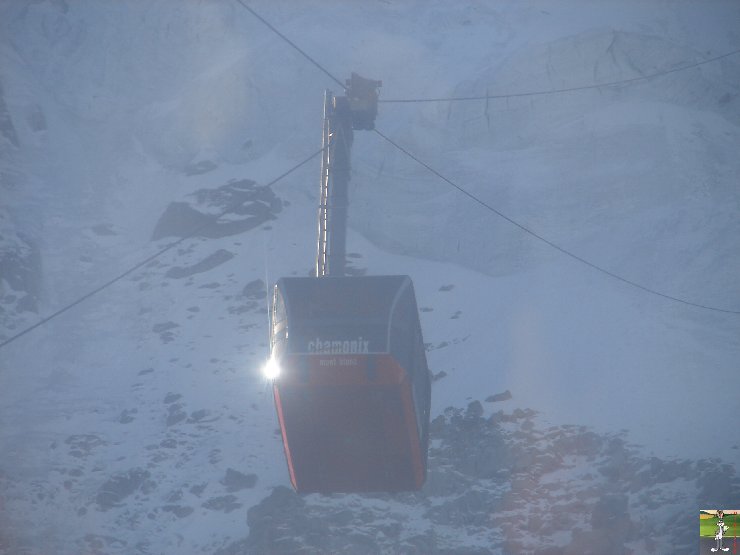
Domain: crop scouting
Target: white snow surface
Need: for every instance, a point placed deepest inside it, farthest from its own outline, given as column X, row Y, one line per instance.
column 641, row 180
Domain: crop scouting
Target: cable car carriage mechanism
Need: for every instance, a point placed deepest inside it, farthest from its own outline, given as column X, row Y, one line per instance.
column 350, row 379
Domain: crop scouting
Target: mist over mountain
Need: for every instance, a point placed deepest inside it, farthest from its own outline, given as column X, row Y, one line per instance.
column 572, row 412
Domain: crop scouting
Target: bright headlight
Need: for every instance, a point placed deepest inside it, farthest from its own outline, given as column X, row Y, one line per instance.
column 271, row 369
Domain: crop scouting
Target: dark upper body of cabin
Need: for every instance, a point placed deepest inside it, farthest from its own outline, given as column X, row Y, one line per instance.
column 373, row 323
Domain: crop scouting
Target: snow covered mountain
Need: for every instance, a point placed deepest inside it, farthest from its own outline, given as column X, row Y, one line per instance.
column 572, row 412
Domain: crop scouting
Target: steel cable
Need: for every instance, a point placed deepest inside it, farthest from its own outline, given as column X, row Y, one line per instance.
column 149, row 259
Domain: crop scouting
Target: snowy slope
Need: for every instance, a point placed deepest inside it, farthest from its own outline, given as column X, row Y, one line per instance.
column 138, row 422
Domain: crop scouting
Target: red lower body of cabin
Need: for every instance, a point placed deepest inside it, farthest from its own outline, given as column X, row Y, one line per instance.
column 348, row 424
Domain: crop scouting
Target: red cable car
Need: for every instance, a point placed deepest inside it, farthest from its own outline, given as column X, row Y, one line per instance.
column 353, row 390
column 350, row 378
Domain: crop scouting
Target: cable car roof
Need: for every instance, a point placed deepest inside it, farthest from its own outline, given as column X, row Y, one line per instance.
column 321, row 311
column 367, row 297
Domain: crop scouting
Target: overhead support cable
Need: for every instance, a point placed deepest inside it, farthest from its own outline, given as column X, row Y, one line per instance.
column 290, row 42
column 563, row 90
column 149, row 259
column 495, row 96
column 544, row 239
column 494, row 210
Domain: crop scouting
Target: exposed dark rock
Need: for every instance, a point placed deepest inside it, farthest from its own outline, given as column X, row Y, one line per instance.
column 208, row 263
column 164, row 329
column 198, row 489
column 214, row 457
column 120, row 486
column 225, row 503
column 180, row 220
column 127, row 416
column 171, row 398
column 201, row 416
column 20, row 267
column 255, row 203
column 82, row 445
column 7, row 129
column 505, row 396
column 164, row 326
column 178, row 510
column 439, row 375
column 255, row 290
column 242, row 308
column 475, row 410
column 175, row 414
column 211, row 285
column 506, row 484
column 282, row 509
column 169, row 443
column 235, row 480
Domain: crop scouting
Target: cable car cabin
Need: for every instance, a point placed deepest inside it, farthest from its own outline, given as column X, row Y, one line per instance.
column 353, row 391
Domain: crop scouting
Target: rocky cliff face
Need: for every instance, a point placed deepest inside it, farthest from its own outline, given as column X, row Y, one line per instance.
column 139, row 422
column 505, row 484
column 20, row 272
column 20, row 260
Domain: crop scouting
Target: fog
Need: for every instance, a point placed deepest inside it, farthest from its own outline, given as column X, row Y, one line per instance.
column 584, row 346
